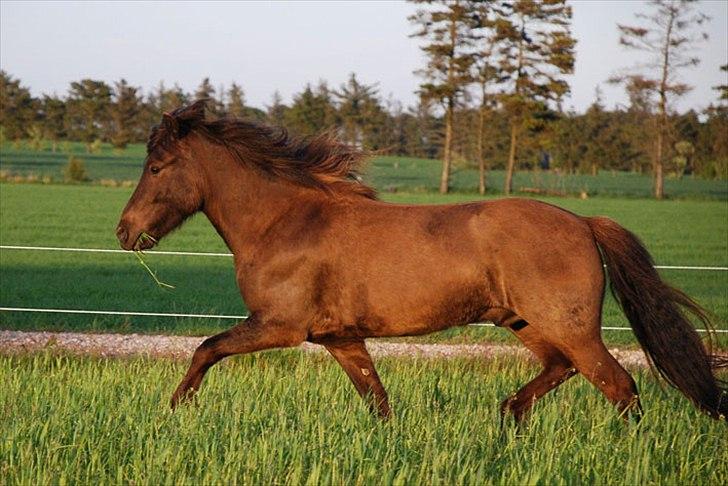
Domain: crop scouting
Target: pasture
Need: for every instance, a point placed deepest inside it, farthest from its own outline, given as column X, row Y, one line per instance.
column 292, row 418
column 289, row 417
column 684, row 232
column 388, row 174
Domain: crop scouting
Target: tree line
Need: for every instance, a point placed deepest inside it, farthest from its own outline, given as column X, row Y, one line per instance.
column 511, row 58
column 491, row 97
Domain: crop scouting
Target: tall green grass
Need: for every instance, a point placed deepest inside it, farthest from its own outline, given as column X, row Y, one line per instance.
column 290, row 418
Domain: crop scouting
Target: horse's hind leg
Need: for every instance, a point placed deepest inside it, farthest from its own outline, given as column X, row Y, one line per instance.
column 248, row 336
column 593, row 360
column 557, row 368
column 354, row 358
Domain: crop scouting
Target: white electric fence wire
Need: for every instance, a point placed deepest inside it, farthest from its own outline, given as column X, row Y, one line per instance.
column 211, row 254
column 222, row 316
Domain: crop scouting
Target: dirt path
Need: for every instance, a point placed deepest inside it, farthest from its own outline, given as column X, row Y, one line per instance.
column 181, row 347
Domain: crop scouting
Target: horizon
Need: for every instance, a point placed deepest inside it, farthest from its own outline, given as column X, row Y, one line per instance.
column 338, row 38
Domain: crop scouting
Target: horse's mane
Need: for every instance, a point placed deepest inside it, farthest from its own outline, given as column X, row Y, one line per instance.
column 320, row 161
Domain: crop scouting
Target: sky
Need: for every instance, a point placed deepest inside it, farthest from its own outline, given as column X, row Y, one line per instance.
column 268, row 46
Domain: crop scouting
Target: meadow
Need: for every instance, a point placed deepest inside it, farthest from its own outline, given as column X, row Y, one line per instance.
column 293, row 418
column 289, row 417
column 681, row 232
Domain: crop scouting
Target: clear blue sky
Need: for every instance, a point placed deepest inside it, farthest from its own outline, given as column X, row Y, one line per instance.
column 266, row 46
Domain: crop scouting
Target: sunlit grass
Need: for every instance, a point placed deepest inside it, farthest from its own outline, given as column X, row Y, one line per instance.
column 290, row 418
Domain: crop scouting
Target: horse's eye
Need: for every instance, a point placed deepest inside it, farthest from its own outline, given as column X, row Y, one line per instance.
column 154, row 169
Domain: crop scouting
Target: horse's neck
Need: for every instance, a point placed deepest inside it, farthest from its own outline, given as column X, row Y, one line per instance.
column 241, row 204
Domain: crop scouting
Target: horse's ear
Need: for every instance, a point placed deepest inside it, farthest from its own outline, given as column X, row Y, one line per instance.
column 170, row 124
column 194, row 112
column 197, row 109
column 188, row 116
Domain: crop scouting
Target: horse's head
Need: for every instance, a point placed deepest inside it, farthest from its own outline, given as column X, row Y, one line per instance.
column 171, row 187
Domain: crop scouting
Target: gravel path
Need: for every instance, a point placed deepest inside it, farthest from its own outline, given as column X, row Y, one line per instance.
column 181, row 347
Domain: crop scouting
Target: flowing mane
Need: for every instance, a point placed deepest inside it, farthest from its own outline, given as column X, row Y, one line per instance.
column 321, row 161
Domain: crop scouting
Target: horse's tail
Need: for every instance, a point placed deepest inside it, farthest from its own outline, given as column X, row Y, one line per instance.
column 655, row 312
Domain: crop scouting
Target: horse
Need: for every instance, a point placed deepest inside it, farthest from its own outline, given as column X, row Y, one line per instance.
column 319, row 258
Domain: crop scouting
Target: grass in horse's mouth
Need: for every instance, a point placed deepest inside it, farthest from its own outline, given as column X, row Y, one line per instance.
column 143, row 238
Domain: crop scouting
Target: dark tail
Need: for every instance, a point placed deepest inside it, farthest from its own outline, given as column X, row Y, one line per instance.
column 655, row 312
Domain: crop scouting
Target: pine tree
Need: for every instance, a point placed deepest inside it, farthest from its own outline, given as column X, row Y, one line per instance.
column 218, row 105
column 723, row 88
column 87, row 113
column 486, row 74
column 17, row 107
column 312, row 111
column 205, row 90
column 535, row 49
column 596, row 136
column 394, row 133
column 355, row 106
column 447, row 27
column 53, row 113
column 124, row 111
column 668, row 35
column 276, row 111
column 235, row 101
column 169, row 100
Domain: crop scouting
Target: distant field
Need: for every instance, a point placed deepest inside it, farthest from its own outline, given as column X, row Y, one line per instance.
column 388, row 174
column 676, row 232
column 290, row 418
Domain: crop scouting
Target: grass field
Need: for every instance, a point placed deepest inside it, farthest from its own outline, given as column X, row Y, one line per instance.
column 401, row 174
column 290, row 418
column 682, row 232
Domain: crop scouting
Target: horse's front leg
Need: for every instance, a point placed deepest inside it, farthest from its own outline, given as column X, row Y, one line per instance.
column 354, row 358
column 248, row 336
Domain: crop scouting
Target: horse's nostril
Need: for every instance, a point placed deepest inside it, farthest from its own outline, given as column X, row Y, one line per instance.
column 122, row 234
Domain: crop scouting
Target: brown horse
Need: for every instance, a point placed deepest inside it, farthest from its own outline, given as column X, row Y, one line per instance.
column 318, row 258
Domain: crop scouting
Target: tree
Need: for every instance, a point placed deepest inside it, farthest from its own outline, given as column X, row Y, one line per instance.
column 17, row 107
column 424, row 133
column 158, row 101
column 723, row 88
column 235, row 101
column 448, row 27
column 53, row 114
column 486, row 74
column 535, row 49
column 356, row 104
column 87, row 114
column 168, row 100
column 668, row 36
column 218, row 105
column 394, row 133
column 276, row 111
column 712, row 143
column 124, row 111
column 312, row 111
column 205, row 90
column 596, row 137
